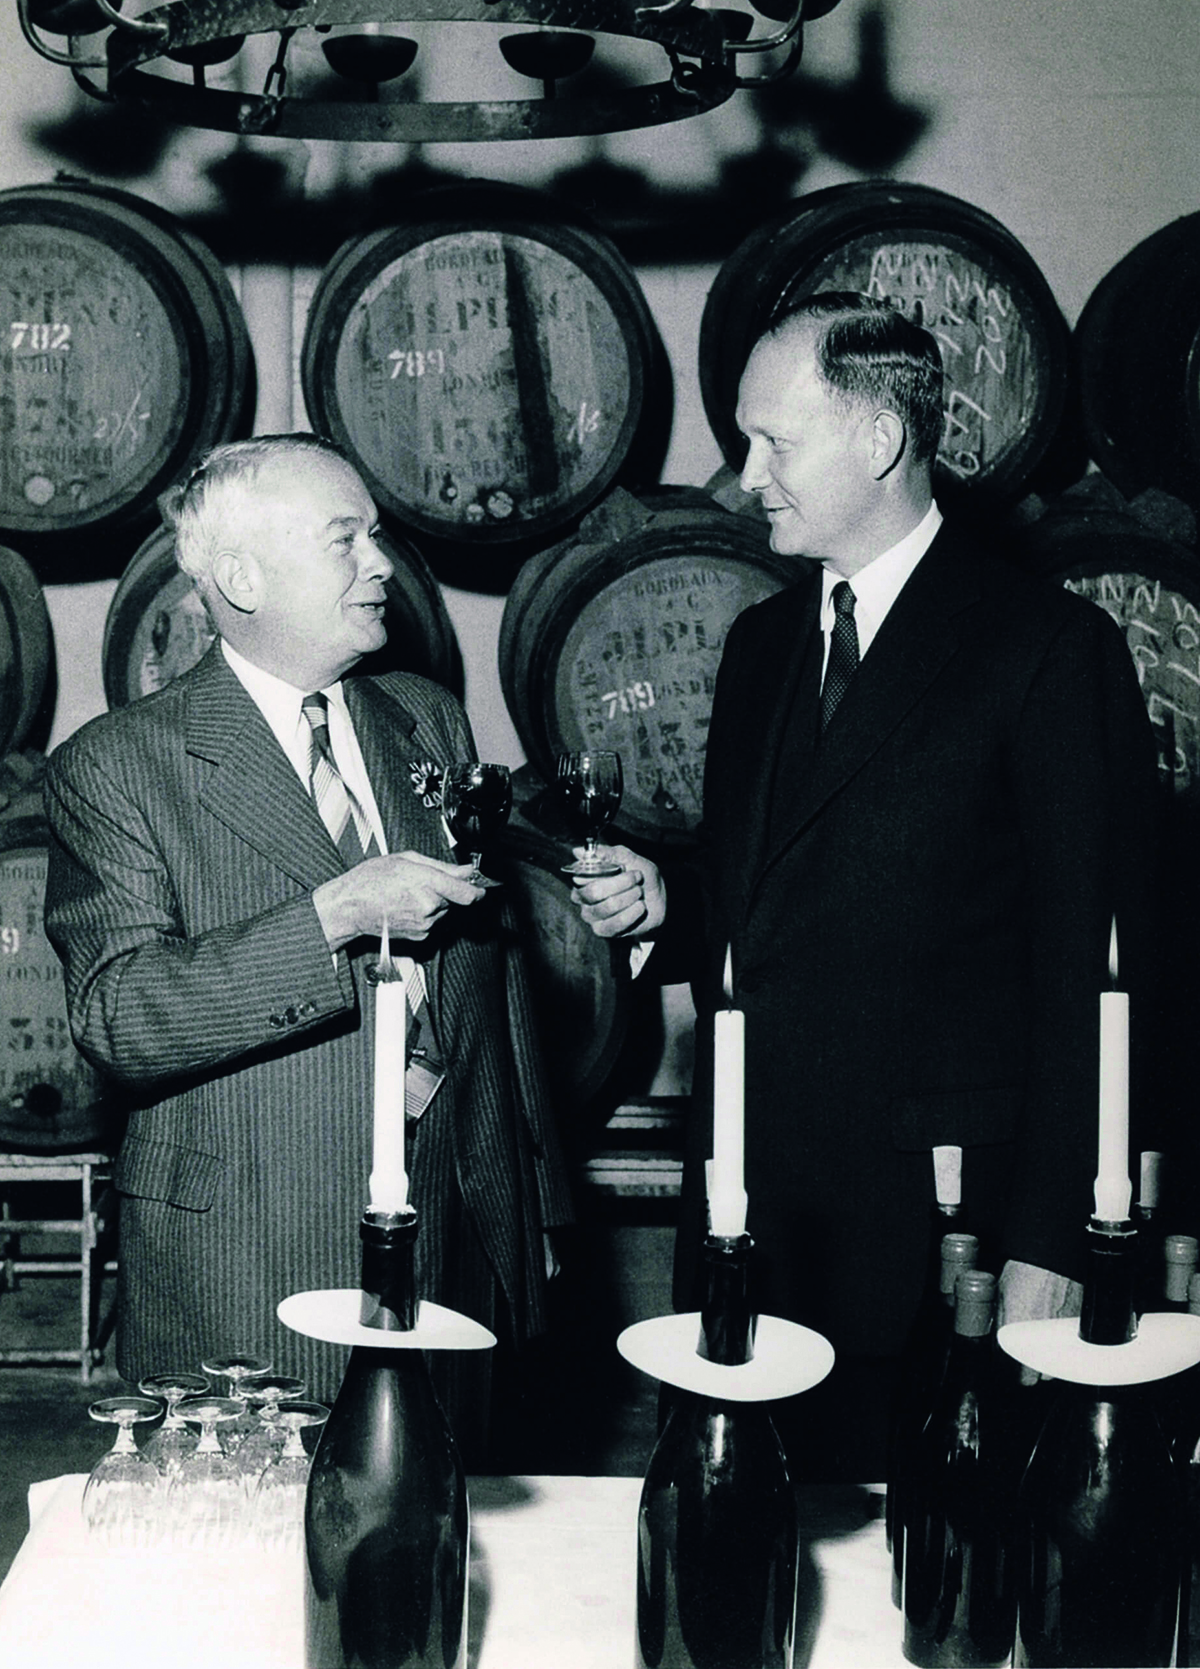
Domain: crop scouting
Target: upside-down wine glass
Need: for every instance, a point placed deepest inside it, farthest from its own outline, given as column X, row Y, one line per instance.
column 204, row 1496
column 237, row 1369
column 279, row 1496
column 590, row 785
column 121, row 1496
column 476, row 801
column 174, row 1440
column 269, row 1434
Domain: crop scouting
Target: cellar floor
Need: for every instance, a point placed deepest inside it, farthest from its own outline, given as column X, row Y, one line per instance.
column 594, row 1414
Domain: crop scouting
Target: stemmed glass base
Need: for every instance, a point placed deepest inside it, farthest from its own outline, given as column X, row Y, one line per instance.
column 477, row 878
column 591, row 865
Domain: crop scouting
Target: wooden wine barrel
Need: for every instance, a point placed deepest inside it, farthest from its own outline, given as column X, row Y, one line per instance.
column 157, row 626
column 25, row 648
column 947, row 265
column 489, row 364
column 1137, row 346
column 580, row 991
column 51, row 1099
column 126, row 356
column 611, row 639
column 1150, row 585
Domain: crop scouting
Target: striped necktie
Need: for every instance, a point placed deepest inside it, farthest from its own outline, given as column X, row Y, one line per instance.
column 843, row 651
column 340, row 811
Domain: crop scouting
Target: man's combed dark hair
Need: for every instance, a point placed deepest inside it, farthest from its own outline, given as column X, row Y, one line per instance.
column 867, row 351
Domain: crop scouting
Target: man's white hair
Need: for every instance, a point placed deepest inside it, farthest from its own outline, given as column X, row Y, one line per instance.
column 201, row 508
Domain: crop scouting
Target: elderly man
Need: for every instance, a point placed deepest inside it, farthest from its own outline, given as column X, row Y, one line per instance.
column 929, row 791
column 225, row 854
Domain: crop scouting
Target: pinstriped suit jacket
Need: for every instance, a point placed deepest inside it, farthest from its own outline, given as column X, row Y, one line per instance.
column 184, row 857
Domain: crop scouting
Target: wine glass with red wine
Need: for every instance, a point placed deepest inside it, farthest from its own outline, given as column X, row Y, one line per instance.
column 590, row 785
column 476, row 801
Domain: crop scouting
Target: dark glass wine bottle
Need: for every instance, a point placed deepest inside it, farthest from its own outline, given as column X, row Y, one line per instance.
column 1180, row 1254
column 1100, row 1519
column 386, row 1515
column 959, row 1490
column 1187, row 1453
column 920, row 1368
column 717, row 1533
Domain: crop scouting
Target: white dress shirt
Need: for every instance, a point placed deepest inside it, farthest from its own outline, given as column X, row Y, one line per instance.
column 280, row 704
column 877, row 586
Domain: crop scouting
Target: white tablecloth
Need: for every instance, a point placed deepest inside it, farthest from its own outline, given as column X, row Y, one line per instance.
column 552, row 1587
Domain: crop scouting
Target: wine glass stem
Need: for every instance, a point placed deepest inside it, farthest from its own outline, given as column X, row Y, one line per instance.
column 125, row 1444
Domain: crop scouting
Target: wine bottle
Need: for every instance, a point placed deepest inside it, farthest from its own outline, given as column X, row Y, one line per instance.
column 386, row 1515
column 1187, row 1453
column 1181, row 1253
column 717, row 1534
column 960, row 1486
column 1147, row 1217
column 919, row 1371
column 1100, row 1517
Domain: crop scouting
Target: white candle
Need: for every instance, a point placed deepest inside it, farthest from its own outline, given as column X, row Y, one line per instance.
column 727, row 1190
column 388, row 1187
column 1113, row 1187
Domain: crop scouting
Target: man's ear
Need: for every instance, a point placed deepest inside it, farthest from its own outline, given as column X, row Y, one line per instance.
column 237, row 577
column 887, row 443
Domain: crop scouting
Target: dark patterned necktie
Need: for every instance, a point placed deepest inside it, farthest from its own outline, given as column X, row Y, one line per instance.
column 843, row 651
column 340, row 811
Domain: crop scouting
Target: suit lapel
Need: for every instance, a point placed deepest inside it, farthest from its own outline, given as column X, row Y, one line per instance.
column 253, row 787
column 766, row 707
column 391, row 744
column 920, row 634
column 386, row 732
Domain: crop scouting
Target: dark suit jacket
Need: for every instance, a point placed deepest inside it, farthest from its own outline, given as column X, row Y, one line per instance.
column 919, row 909
column 184, row 857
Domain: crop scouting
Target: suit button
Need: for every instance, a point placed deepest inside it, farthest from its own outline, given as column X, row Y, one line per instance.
column 306, row 1010
column 278, row 1021
column 290, row 1015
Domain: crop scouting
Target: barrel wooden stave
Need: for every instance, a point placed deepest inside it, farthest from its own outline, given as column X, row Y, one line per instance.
column 51, row 1098
column 943, row 262
column 26, row 648
column 489, row 364
column 126, row 356
column 1150, row 585
column 1137, row 350
column 613, row 640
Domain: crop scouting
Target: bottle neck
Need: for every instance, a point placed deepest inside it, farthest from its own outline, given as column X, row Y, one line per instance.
column 388, row 1299
column 958, row 1253
column 726, row 1317
column 1108, row 1315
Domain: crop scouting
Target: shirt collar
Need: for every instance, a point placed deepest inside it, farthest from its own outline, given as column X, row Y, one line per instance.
column 280, row 703
column 272, row 693
column 877, row 586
